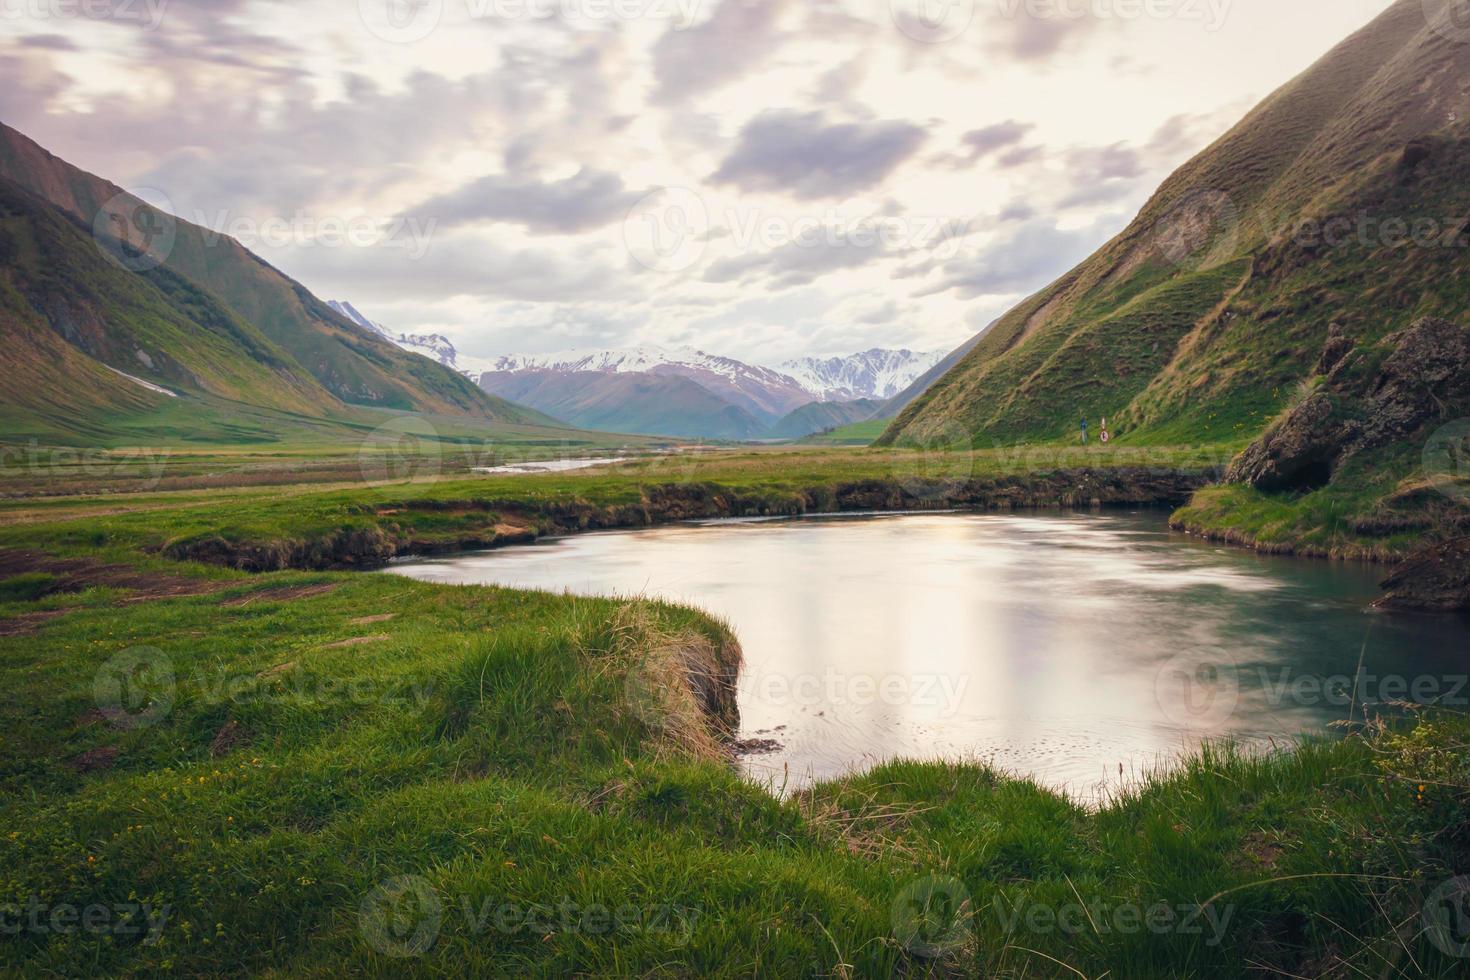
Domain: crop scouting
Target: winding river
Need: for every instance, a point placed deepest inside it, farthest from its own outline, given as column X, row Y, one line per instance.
column 1080, row 649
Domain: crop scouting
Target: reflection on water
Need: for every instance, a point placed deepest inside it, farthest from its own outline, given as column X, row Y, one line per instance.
column 1068, row 647
column 552, row 465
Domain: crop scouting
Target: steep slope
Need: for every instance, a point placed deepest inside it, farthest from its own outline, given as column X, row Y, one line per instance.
column 823, row 416
column 876, row 373
column 1341, row 201
column 641, row 402
column 85, row 338
column 354, row 365
column 897, row 403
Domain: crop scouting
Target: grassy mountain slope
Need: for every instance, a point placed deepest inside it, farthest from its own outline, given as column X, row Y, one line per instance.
column 655, row 404
column 853, row 434
column 65, row 312
column 923, row 382
column 354, row 366
column 1201, row 320
column 81, row 333
column 823, row 416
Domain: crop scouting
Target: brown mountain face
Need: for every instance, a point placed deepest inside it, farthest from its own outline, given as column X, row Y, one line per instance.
column 352, row 365
column 765, row 395
column 647, row 402
column 1339, row 204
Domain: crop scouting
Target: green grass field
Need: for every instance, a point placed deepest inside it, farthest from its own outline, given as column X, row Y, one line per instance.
column 855, row 434
column 315, row 773
column 412, row 499
column 260, row 447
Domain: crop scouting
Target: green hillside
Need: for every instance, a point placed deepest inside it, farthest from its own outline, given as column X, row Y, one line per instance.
column 854, row 434
column 353, row 366
column 66, row 314
column 1201, row 320
column 823, row 417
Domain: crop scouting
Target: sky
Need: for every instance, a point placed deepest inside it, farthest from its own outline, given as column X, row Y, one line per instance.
column 762, row 179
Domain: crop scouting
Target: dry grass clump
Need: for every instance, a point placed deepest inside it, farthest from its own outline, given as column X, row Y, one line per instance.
column 676, row 680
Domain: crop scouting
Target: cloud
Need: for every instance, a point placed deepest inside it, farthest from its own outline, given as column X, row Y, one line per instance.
column 233, row 108
column 1104, row 174
column 1020, row 156
column 313, row 143
column 588, row 199
column 795, row 263
column 837, row 86
column 459, row 264
column 1037, row 37
column 885, row 312
column 803, row 155
column 51, row 42
column 1025, row 261
column 735, row 40
column 1099, row 174
column 978, row 144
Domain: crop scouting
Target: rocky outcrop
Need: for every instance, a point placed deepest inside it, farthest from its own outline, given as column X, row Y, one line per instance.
column 1436, row 579
column 1366, row 400
column 1426, row 375
column 1297, row 453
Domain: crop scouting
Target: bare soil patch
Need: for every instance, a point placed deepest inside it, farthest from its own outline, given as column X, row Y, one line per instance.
column 356, row 641
column 76, row 574
column 28, row 623
column 99, row 759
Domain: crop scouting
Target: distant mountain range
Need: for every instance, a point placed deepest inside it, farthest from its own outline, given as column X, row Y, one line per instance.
column 683, row 391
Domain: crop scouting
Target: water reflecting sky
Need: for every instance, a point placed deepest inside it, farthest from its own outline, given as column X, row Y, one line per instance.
column 1056, row 646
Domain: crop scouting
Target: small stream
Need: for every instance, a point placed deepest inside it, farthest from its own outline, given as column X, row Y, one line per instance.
column 1080, row 649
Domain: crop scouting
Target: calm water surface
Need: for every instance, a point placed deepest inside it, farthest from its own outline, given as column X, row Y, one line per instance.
column 1079, row 649
column 552, row 465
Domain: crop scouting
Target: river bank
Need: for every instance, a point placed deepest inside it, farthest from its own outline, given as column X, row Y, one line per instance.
column 414, row 526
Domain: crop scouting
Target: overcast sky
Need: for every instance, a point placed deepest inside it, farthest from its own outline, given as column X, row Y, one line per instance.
column 761, row 179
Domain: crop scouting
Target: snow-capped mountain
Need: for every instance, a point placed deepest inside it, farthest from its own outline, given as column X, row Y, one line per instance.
column 351, row 313
column 875, row 373
column 763, row 392
column 434, row 346
column 623, row 360
column 648, row 388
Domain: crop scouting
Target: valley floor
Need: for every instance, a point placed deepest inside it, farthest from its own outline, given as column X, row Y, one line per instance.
column 299, row 770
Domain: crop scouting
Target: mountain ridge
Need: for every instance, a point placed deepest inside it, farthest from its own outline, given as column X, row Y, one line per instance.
column 353, row 366
column 877, row 373
column 1201, row 318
